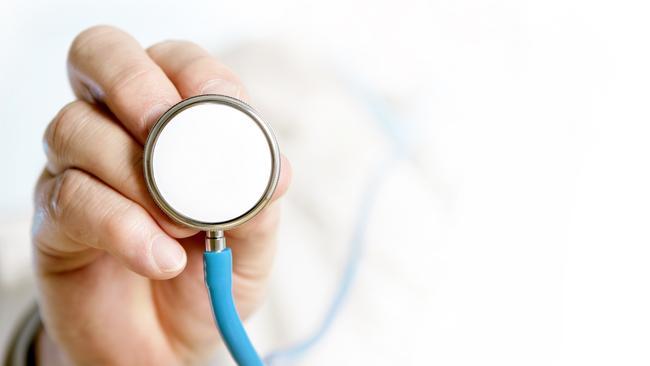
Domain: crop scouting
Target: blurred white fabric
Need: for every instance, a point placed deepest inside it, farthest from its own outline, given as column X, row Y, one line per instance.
column 517, row 233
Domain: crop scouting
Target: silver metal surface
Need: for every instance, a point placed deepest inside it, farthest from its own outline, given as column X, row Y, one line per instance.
column 148, row 163
column 215, row 241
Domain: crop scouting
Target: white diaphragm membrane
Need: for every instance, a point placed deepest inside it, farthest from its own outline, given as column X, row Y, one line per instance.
column 211, row 163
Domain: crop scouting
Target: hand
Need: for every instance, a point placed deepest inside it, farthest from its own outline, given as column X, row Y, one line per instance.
column 120, row 283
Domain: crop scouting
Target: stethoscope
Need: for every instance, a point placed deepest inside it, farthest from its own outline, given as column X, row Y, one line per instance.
column 211, row 138
column 211, row 163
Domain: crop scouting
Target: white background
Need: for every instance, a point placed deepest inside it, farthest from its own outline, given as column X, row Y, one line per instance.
column 516, row 234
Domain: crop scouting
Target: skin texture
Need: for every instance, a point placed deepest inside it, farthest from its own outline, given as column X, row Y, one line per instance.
column 119, row 283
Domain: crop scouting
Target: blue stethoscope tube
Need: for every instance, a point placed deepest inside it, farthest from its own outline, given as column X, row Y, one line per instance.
column 218, row 279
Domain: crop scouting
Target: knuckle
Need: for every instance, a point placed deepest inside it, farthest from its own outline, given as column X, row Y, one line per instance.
column 121, row 222
column 113, row 225
column 128, row 82
column 134, row 73
column 67, row 188
column 66, row 123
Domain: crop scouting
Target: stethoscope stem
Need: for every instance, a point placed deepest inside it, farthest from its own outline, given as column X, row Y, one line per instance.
column 215, row 241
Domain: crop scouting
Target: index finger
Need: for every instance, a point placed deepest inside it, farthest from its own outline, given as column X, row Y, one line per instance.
column 107, row 65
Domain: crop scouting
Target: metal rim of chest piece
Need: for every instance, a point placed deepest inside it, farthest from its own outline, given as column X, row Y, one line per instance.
column 158, row 128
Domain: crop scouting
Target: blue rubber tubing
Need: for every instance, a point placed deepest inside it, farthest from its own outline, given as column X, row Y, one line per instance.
column 218, row 279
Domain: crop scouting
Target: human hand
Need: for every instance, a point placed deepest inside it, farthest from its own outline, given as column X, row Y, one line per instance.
column 119, row 283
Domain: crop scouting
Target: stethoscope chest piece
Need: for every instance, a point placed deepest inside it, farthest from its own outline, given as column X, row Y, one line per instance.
column 211, row 163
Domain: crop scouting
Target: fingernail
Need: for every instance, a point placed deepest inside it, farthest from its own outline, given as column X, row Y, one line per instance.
column 223, row 87
column 168, row 255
